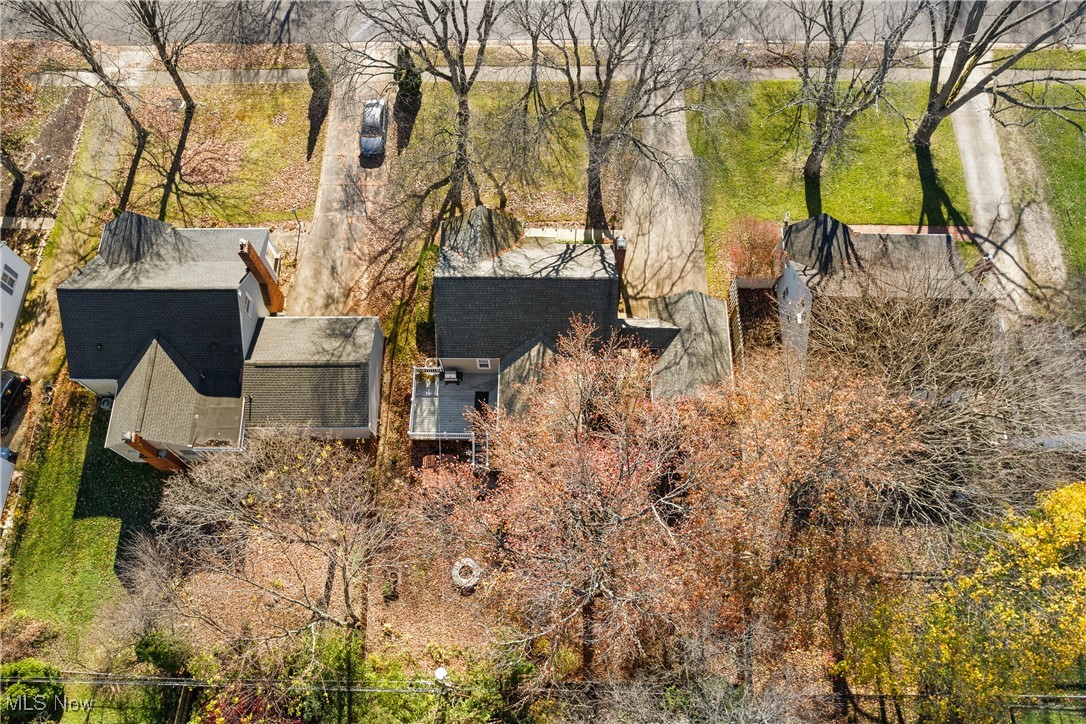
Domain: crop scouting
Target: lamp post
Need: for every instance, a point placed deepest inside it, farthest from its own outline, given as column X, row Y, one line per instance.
column 297, row 233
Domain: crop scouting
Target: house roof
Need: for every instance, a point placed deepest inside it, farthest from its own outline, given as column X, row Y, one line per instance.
column 137, row 252
column 835, row 261
column 488, row 243
column 310, row 371
column 701, row 353
column 312, row 341
column 159, row 400
column 522, row 366
column 481, row 233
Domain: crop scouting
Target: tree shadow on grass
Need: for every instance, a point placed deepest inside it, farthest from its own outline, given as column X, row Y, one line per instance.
column 936, row 208
column 113, row 487
column 321, row 84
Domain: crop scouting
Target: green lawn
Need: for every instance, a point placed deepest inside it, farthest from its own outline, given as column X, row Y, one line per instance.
column 245, row 159
column 86, row 501
column 1048, row 59
column 754, row 167
column 1061, row 150
column 550, row 191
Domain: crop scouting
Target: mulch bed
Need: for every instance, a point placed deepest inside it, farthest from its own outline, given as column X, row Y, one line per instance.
column 48, row 159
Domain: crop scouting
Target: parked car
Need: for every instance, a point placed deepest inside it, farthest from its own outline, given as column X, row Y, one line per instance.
column 371, row 138
column 16, row 391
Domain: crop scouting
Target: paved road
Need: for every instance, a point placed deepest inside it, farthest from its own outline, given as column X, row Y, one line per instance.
column 331, row 261
column 662, row 214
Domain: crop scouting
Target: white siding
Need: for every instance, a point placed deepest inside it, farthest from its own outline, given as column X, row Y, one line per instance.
column 469, row 364
column 249, row 285
column 102, row 388
column 377, row 363
column 17, row 272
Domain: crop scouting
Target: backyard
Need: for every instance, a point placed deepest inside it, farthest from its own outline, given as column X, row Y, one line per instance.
column 753, row 164
column 84, row 502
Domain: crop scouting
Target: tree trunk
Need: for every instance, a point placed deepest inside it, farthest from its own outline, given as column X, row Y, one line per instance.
column 588, row 639
column 842, row 694
column 926, row 128
column 596, row 216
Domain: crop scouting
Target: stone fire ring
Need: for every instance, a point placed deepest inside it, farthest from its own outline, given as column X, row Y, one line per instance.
column 466, row 573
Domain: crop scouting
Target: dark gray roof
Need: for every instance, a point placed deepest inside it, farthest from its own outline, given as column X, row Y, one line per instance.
column 151, row 281
column 310, row 371
column 137, row 252
column 837, row 262
column 106, row 330
column 523, row 366
column 701, row 353
column 650, row 332
column 159, row 401
column 313, row 340
column 534, row 260
column 495, row 289
column 481, row 233
column 490, row 317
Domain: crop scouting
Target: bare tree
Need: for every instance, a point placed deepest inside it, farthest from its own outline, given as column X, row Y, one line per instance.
column 968, row 31
column 63, row 21
column 172, row 28
column 621, row 63
column 446, row 39
column 579, row 525
column 841, row 72
column 292, row 525
column 995, row 410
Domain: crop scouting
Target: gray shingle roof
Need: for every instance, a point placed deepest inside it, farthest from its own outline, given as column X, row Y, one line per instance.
column 495, row 290
column 158, row 401
column 838, row 262
column 481, row 233
column 549, row 260
column 151, row 281
column 522, row 366
column 477, row 317
column 701, row 353
column 137, row 252
column 310, row 371
column 106, row 330
column 313, row 340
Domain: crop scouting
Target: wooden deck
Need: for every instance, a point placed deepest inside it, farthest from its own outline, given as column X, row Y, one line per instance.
column 438, row 409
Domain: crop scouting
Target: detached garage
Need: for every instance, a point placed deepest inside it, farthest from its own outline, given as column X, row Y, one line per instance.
column 318, row 372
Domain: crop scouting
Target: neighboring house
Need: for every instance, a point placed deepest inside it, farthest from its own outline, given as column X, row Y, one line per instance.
column 163, row 320
column 825, row 262
column 14, row 281
column 501, row 299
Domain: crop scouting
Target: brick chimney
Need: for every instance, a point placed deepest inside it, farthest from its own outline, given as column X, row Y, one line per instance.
column 620, row 255
column 269, row 287
column 163, row 460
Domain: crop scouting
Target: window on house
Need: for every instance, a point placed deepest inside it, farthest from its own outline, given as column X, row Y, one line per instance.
column 8, row 279
column 247, row 305
column 483, row 364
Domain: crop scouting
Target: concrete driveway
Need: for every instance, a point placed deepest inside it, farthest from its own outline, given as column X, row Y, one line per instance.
column 662, row 214
column 330, row 262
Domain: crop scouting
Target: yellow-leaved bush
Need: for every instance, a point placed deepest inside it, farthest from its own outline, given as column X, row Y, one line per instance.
column 1017, row 623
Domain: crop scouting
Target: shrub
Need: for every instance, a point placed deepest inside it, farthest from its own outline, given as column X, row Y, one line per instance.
column 24, row 697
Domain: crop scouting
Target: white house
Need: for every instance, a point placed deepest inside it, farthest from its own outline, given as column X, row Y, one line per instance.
column 14, row 281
